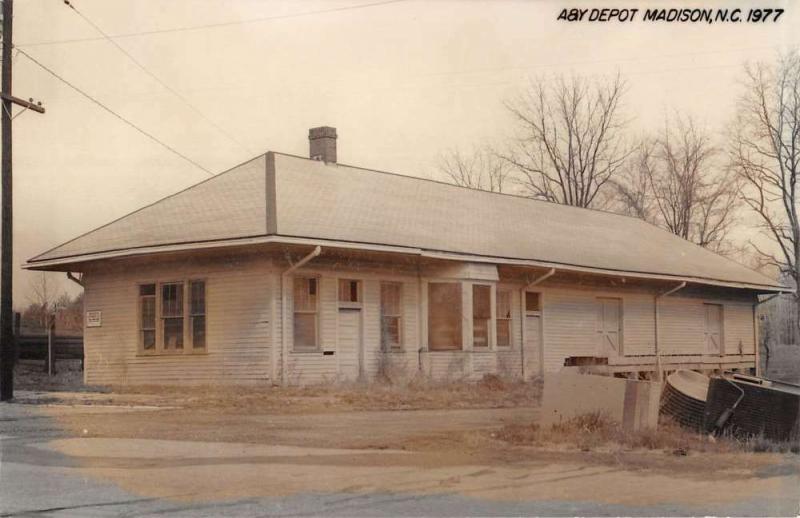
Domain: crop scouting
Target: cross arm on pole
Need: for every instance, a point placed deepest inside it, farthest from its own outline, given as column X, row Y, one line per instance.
column 29, row 104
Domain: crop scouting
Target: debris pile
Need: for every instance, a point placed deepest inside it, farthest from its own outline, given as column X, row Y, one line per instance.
column 733, row 404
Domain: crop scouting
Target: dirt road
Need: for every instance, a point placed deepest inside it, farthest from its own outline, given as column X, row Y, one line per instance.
column 145, row 459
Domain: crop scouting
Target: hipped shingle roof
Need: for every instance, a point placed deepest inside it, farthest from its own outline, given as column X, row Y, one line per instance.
column 284, row 195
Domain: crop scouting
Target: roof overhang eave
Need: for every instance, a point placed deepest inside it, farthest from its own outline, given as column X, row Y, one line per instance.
column 62, row 262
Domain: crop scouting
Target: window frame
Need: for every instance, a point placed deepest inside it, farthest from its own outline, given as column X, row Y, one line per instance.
column 163, row 319
column 490, row 321
column 317, row 346
column 399, row 316
column 356, row 304
column 524, row 302
column 190, row 315
column 462, row 345
column 509, row 320
column 140, row 329
column 188, row 339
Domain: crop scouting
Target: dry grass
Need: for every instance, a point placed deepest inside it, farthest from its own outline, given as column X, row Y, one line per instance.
column 31, row 375
column 594, row 431
column 418, row 393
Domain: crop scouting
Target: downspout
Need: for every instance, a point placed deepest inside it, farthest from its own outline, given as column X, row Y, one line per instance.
column 655, row 317
column 756, row 337
column 75, row 279
column 422, row 325
column 284, row 311
column 523, row 316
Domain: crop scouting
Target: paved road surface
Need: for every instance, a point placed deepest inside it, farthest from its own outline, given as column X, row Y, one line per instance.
column 41, row 473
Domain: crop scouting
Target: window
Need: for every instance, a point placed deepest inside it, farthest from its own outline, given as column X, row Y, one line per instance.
column 197, row 313
column 533, row 302
column 391, row 309
column 172, row 316
column 147, row 315
column 444, row 316
column 305, row 312
column 349, row 291
column 481, row 315
column 503, row 318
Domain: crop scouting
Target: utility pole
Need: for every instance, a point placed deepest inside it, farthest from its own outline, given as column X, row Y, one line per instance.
column 7, row 349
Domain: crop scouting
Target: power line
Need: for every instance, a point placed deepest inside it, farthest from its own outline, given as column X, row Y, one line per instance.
column 115, row 114
column 215, row 25
column 156, row 78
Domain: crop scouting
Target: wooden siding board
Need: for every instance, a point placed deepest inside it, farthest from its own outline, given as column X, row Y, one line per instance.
column 244, row 328
column 238, row 326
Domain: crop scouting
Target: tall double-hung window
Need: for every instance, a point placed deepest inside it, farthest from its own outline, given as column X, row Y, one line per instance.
column 306, row 307
column 172, row 317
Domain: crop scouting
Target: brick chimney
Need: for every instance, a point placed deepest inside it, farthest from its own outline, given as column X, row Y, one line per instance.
column 322, row 144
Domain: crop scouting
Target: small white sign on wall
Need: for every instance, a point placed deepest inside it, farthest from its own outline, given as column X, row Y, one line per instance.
column 94, row 318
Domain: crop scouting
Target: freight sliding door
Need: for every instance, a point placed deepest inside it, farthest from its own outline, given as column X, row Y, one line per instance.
column 609, row 326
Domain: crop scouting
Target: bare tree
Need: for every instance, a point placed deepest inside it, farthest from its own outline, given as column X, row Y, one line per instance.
column 44, row 294
column 570, row 141
column 632, row 186
column 675, row 181
column 480, row 169
column 765, row 152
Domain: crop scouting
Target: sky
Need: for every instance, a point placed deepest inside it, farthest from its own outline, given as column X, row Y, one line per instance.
column 402, row 81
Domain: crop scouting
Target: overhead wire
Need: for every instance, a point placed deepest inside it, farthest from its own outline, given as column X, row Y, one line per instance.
column 144, row 69
column 113, row 113
column 218, row 24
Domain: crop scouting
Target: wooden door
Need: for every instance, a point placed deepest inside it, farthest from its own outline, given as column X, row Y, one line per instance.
column 609, row 326
column 349, row 343
column 533, row 344
column 713, row 329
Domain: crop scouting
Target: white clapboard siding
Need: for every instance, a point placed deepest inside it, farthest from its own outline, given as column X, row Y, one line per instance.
column 570, row 320
column 737, row 330
column 244, row 321
column 509, row 363
column 570, row 325
column 372, row 327
column 483, row 363
column 682, row 326
column 638, row 324
column 446, row 365
column 238, row 320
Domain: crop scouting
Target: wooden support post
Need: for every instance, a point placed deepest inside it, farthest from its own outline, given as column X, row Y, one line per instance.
column 6, row 242
column 7, row 101
column 17, row 333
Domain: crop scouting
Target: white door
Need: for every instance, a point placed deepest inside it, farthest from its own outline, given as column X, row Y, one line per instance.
column 533, row 344
column 609, row 326
column 349, row 345
column 713, row 331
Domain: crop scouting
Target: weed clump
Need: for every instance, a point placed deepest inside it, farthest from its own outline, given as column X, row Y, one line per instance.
column 595, row 430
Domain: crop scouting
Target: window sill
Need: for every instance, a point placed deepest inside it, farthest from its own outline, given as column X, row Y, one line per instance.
column 171, row 354
column 308, row 350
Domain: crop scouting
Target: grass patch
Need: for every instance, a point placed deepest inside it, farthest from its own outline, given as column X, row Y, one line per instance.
column 595, row 431
column 415, row 394
column 32, row 375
